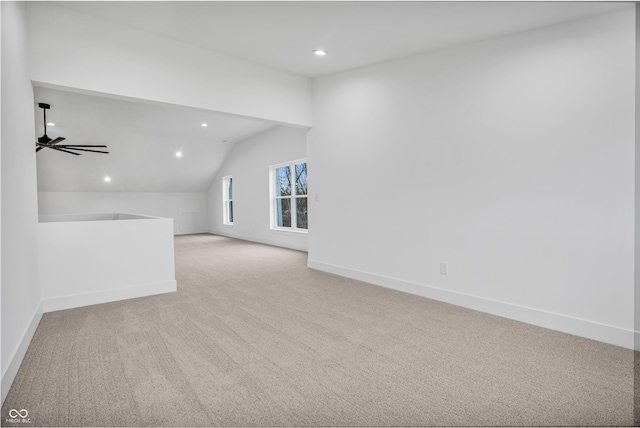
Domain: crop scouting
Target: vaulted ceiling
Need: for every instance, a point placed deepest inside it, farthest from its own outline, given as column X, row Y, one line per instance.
column 143, row 137
column 356, row 33
column 142, row 141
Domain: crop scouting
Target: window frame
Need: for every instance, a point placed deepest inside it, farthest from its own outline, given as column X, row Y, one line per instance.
column 273, row 197
column 227, row 181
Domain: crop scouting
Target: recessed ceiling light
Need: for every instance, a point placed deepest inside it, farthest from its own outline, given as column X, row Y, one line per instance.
column 107, row 179
column 51, row 124
column 320, row 52
column 178, row 154
column 204, row 125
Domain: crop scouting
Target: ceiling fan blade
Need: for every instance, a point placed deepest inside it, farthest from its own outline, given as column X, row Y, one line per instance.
column 82, row 150
column 63, row 150
column 79, row 145
column 49, row 144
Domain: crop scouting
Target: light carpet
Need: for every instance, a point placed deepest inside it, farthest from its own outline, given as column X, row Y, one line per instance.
column 255, row 338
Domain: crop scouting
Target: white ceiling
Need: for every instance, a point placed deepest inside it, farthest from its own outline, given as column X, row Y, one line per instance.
column 142, row 140
column 283, row 34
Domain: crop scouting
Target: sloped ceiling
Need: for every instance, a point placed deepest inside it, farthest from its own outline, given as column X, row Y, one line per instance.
column 356, row 33
column 142, row 141
column 143, row 138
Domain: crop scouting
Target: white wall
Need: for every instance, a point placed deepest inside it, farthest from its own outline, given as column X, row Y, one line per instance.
column 248, row 163
column 123, row 61
column 188, row 210
column 21, row 309
column 637, row 217
column 104, row 260
column 510, row 159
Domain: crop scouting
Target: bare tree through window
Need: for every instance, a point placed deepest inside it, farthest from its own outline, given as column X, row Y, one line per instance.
column 291, row 196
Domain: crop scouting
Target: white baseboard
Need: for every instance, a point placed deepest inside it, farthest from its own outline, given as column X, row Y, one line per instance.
column 566, row 324
column 193, row 232
column 74, row 301
column 18, row 355
column 274, row 242
column 94, row 298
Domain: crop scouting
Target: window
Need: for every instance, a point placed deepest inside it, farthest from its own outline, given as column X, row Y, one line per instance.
column 227, row 200
column 289, row 196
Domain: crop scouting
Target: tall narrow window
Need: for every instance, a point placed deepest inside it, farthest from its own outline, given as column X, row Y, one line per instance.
column 227, row 200
column 289, row 196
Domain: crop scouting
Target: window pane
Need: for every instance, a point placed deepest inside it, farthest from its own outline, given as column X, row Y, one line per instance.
column 283, row 212
column 301, row 179
column 231, row 188
column 301, row 213
column 283, row 181
column 230, row 211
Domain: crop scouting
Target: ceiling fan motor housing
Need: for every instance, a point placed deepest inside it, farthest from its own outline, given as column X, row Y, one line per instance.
column 46, row 142
column 44, row 139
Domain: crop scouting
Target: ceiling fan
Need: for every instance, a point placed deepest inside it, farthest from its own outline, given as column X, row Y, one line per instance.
column 45, row 142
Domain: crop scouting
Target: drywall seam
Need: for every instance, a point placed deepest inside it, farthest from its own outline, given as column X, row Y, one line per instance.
column 18, row 355
column 563, row 323
column 106, row 296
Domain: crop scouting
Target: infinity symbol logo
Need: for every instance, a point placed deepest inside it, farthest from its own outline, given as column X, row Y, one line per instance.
column 15, row 413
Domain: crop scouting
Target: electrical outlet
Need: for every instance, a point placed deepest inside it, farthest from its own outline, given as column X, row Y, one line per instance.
column 444, row 268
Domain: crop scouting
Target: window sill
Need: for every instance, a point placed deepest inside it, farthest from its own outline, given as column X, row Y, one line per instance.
column 289, row 231
column 227, row 225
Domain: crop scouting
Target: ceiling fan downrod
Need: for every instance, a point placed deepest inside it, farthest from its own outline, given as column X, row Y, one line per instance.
column 44, row 139
column 45, row 142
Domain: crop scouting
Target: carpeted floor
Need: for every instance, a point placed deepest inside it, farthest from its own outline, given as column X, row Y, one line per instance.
column 254, row 338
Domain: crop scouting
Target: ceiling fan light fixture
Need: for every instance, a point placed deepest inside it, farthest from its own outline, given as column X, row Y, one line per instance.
column 45, row 142
column 320, row 52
